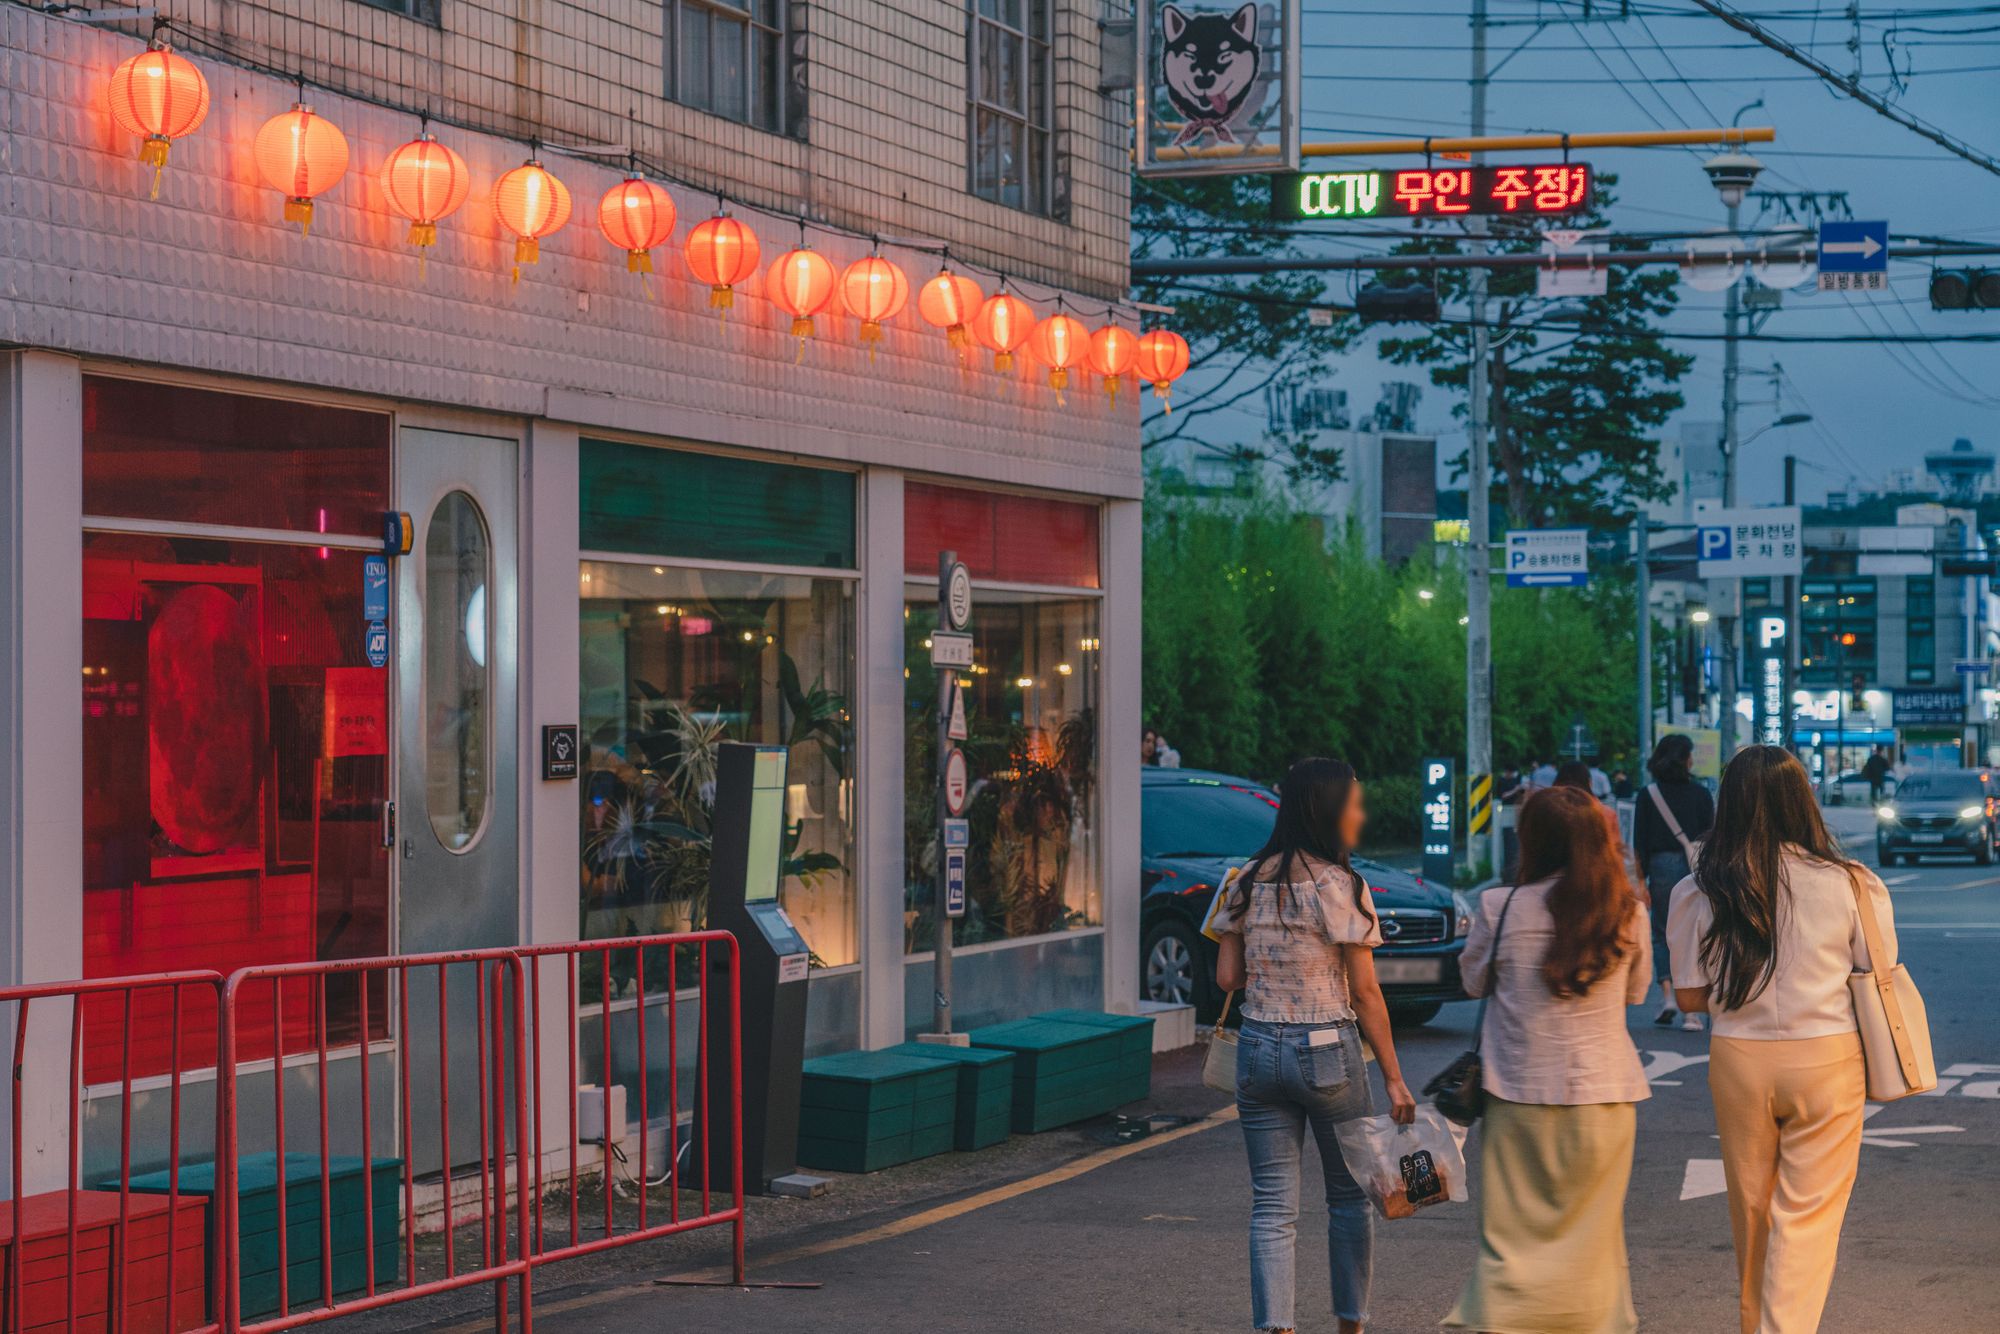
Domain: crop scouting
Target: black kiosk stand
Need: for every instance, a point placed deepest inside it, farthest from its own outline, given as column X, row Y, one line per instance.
column 745, row 867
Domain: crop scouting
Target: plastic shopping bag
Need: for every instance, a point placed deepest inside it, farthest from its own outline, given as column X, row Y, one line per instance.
column 1406, row 1168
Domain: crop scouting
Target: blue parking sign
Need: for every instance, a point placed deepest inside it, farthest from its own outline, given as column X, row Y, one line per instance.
column 1712, row 543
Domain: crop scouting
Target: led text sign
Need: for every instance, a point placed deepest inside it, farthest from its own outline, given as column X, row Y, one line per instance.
column 1444, row 192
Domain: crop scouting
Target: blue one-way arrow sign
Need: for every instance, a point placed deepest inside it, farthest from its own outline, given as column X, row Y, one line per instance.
column 1853, row 256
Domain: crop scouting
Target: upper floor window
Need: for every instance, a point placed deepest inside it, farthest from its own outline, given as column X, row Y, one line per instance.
column 728, row 57
column 426, row 10
column 1009, row 102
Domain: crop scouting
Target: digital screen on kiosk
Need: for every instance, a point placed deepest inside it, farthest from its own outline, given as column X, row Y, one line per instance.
column 767, row 827
column 1545, row 190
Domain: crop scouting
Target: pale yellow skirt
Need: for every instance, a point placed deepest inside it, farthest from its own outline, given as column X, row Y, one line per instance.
column 1551, row 1221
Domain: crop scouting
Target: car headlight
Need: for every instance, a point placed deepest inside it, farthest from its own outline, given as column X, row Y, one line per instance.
column 1463, row 905
column 1885, row 812
column 1972, row 812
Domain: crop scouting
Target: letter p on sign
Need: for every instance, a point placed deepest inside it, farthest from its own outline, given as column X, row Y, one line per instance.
column 1436, row 774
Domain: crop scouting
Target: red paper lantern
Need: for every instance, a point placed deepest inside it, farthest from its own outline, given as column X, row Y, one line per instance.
column 1059, row 342
column 874, row 290
column 300, row 155
column 801, row 285
column 424, row 181
column 1163, row 357
column 1114, row 351
column 1003, row 324
column 722, row 252
column 159, row 95
column 635, row 216
column 951, row 301
column 531, row 204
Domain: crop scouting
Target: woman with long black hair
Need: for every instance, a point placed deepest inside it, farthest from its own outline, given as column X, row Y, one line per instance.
column 1298, row 936
column 1669, row 820
column 1765, row 934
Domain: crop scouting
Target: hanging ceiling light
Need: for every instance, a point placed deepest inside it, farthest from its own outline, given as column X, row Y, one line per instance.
column 161, row 96
column 722, row 252
column 424, row 181
column 531, row 204
column 1163, row 358
column 300, row 155
column 636, row 215
column 951, row 301
column 874, row 290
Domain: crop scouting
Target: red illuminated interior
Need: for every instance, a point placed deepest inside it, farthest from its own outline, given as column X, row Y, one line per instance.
column 1013, row 539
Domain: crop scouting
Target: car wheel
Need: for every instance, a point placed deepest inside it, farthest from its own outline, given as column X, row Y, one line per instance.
column 1171, row 967
column 1413, row 1016
column 1884, row 857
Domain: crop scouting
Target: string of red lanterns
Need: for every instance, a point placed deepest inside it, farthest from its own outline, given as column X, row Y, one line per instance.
column 162, row 96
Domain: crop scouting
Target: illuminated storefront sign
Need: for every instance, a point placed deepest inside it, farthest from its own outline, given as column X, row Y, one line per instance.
column 1548, row 191
column 1771, row 665
column 1436, row 817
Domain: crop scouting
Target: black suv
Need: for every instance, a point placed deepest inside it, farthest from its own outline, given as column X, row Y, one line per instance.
column 1195, row 826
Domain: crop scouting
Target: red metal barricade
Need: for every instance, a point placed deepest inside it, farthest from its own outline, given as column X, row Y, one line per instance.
column 267, row 1021
column 501, row 1078
column 143, row 1239
column 671, row 957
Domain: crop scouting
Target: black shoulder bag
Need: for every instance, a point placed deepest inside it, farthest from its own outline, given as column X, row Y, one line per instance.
column 1459, row 1090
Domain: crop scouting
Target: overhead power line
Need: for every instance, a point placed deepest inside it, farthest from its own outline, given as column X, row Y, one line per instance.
column 1848, row 86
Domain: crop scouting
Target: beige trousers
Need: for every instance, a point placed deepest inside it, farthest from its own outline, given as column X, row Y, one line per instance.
column 1790, row 1116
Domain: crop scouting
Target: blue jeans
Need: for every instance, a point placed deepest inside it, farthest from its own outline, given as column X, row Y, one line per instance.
column 1282, row 1086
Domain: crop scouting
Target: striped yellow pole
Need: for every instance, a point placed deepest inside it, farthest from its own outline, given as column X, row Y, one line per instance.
column 1479, row 805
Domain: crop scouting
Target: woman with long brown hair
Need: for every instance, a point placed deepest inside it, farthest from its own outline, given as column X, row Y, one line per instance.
column 1765, row 934
column 1558, row 958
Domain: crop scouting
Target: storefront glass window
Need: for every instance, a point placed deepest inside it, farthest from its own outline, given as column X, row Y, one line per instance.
column 674, row 661
column 235, row 739
column 1031, row 716
column 455, row 656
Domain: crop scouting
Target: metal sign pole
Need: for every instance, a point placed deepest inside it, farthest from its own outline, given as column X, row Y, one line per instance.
column 946, row 679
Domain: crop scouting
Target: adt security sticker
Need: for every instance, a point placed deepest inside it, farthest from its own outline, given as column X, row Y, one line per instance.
column 377, row 641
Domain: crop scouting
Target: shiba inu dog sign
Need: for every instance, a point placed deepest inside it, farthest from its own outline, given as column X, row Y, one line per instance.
column 1218, row 86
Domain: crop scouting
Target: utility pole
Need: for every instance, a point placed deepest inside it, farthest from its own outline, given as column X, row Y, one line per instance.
column 1479, row 488
column 1641, row 527
column 1791, row 602
column 1732, row 175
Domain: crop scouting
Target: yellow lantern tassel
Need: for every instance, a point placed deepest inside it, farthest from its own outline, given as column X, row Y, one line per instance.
column 1003, row 361
column 423, row 235
column 871, row 334
column 721, row 297
column 301, row 212
column 1059, row 381
column 1165, row 393
column 638, row 261
column 154, row 154
column 527, row 250
column 1111, row 389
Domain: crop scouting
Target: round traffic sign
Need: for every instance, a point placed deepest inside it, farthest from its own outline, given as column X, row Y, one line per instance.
column 958, row 596
column 954, row 780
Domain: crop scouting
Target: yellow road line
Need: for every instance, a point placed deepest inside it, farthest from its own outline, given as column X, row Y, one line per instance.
column 942, row 1213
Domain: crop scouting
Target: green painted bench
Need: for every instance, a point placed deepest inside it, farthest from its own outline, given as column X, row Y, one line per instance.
column 985, row 1090
column 861, row 1111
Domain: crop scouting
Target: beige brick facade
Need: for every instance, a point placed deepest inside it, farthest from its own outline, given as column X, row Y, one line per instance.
column 882, row 149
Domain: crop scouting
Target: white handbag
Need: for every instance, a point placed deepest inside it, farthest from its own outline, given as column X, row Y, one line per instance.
column 1895, row 1032
column 1218, row 1068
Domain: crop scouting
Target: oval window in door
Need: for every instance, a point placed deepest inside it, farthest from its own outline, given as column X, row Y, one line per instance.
column 457, row 647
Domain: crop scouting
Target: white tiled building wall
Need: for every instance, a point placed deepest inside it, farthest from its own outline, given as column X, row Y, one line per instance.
column 209, row 277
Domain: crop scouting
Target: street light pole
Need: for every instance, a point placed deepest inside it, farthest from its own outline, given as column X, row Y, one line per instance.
column 1732, row 174
column 1479, row 486
column 1641, row 527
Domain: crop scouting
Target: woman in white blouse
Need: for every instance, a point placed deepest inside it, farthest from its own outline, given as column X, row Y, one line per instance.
column 1558, row 958
column 1764, row 935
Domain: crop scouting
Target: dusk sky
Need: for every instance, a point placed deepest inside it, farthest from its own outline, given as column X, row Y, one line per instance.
column 1387, row 70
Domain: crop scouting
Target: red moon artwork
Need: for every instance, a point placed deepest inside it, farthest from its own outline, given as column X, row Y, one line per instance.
column 205, row 689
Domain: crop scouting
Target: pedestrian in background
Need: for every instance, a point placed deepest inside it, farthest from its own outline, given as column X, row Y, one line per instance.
column 1558, row 958
column 1621, row 786
column 1600, row 784
column 1154, row 750
column 1298, row 936
column 1765, row 933
column 1876, row 770
column 1543, row 775
column 1670, row 819
column 1573, row 773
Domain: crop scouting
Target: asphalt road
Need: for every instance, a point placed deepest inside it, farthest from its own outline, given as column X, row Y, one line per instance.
column 1065, row 1234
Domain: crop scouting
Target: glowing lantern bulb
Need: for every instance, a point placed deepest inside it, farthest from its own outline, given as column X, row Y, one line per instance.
column 722, row 252
column 300, row 155
column 161, row 96
column 874, row 290
column 531, row 204
column 950, row 301
column 801, row 285
column 636, row 215
column 1003, row 324
column 1163, row 358
column 424, row 181
column 1059, row 342
column 1114, row 351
